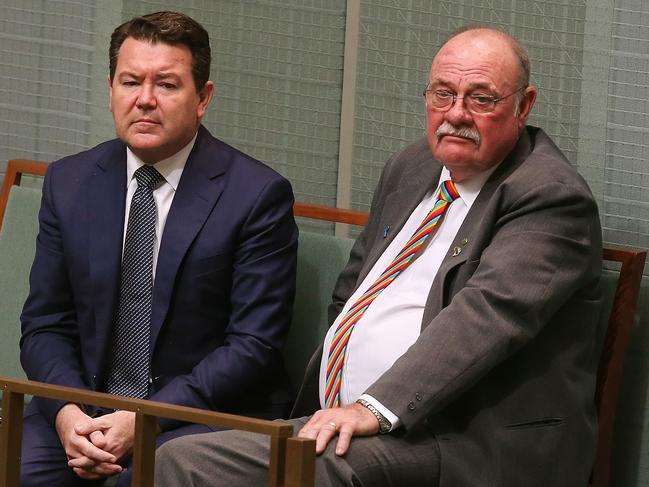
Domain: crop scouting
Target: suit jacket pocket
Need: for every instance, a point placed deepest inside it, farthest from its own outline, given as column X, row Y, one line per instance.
column 536, row 423
column 528, row 453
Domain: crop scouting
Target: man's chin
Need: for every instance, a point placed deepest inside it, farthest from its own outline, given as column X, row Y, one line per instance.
column 143, row 141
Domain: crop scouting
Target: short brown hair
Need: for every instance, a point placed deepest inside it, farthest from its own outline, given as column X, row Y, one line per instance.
column 171, row 28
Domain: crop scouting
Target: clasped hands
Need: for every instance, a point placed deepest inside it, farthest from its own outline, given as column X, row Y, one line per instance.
column 95, row 446
column 352, row 420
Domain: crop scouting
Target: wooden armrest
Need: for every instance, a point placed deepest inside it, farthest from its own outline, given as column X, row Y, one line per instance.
column 292, row 460
column 338, row 215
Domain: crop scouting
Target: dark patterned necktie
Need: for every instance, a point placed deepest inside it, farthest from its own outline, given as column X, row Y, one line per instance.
column 129, row 369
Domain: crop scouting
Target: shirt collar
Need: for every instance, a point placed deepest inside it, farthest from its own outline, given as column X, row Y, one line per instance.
column 171, row 168
column 469, row 188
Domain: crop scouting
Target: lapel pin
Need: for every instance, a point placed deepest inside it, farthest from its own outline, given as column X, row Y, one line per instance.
column 456, row 251
column 385, row 231
column 464, row 241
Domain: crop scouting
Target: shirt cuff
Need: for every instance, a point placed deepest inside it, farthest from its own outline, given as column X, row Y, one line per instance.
column 389, row 415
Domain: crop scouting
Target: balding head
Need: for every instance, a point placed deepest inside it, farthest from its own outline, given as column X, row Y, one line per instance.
column 517, row 49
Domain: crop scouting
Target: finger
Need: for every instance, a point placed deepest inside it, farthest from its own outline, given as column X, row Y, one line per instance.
column 344, row 439
column 313, row 427
column 326, row 433
column 105, row 469
column 310, row 429
column 84, row 428
column 97, row 455
column 98, row 438
column 81, row 462
column 101, row 469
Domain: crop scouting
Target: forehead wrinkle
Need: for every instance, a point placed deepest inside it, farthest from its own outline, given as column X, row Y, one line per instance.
column 167, row 74
column 469, row 80
column 469, row 85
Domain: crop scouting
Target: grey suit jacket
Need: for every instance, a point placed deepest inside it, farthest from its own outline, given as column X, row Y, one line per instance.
column 503, row 373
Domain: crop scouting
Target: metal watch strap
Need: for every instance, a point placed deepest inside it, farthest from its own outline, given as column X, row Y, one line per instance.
column 384, row 425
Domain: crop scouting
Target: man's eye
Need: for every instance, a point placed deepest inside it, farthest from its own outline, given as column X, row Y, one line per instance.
column 130, row 83
column 443, row 95
column 482, row 99
column 168, row 86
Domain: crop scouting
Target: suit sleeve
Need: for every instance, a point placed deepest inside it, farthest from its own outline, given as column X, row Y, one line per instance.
column 50, row 335
column 262, row 292
column 545, row 247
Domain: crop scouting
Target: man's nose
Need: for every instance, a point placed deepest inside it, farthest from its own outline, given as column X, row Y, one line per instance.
column 459, row 114
column 146, row 97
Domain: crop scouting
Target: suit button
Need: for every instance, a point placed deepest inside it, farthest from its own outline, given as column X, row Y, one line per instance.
column 418, row 396
column 411, row 406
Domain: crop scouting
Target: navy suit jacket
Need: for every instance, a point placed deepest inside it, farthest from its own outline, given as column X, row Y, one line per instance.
column 223, row 290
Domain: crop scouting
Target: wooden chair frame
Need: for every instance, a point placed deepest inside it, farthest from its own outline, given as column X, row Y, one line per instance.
column 285, row 471
column 611, row 361
column 15, row 169
column 292, row 459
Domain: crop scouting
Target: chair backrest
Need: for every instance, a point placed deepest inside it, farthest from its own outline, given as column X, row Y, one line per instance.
column 18, row 228
column 621, row 289
column 320, row 258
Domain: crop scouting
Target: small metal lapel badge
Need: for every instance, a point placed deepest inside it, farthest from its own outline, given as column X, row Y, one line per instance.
column 457, row 250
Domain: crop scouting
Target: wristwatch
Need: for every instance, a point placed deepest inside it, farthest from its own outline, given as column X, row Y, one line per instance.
column 384, row 425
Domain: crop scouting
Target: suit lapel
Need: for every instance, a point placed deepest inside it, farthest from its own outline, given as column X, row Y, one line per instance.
column 198, row 191
column 106, row 195
column 419, row 177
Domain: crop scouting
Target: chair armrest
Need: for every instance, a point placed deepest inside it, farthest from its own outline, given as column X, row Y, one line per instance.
column 292, row 460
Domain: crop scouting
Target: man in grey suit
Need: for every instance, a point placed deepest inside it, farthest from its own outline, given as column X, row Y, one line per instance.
column 476, row 365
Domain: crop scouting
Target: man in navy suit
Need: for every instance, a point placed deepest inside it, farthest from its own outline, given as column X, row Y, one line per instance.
column 222, row 276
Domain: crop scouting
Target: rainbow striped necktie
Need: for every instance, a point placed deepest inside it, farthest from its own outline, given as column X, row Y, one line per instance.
column 447, row 194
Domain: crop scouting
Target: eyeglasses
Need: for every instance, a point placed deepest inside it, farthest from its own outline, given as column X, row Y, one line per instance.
column 443, row 100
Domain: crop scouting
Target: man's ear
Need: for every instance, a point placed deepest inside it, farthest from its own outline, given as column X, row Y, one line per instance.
column 110, row 93
column 525, row 105
column 205, row 97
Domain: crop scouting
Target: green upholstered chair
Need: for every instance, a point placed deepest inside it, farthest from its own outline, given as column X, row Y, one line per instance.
column 17, row 246
column 19, row 225
column 320, row 260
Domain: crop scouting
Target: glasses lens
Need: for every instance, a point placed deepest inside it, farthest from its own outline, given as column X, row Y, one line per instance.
column 439, row 99
column 479, row 104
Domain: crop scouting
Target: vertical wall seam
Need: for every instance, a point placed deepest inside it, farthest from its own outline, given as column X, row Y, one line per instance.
column 348, row 109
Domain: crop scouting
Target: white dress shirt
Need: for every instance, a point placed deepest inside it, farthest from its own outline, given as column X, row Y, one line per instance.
column 171, row 169
column 393, row 321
